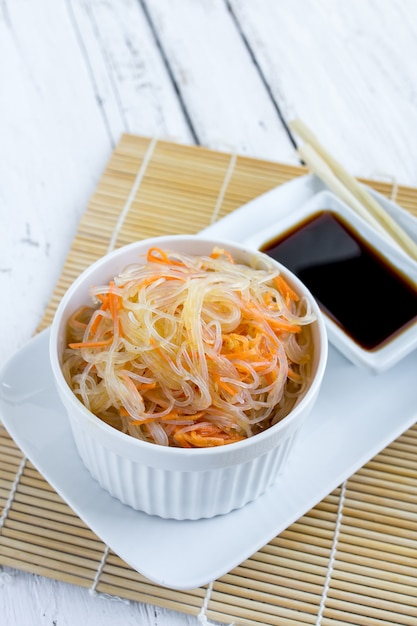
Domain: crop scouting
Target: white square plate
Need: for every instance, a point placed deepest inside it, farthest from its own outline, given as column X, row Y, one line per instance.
column 357, row 414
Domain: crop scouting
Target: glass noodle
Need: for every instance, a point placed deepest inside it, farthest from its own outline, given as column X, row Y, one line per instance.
column 191, row 351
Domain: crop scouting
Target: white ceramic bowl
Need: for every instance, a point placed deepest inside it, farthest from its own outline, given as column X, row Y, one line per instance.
column 389, row 353
column 175, row 482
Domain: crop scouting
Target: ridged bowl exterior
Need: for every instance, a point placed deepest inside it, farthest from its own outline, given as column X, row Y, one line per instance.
column 179, row 494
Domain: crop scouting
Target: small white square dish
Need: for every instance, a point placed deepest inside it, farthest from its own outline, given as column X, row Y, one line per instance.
column 365, row 284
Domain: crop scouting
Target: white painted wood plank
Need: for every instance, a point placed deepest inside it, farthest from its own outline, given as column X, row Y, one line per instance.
column 28, row 600
column 68, row 92
column 228, row 104
column 133, row 84
column 348, row 69
column 53, row 146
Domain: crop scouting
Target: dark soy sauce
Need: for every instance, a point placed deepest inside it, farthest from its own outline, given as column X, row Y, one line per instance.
column 354, row 285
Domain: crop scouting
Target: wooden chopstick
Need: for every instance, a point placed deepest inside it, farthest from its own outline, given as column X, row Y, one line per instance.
column 325, row 173
column 344, row 185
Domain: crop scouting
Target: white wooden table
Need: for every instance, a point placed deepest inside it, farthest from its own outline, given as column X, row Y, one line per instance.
column 227, row 74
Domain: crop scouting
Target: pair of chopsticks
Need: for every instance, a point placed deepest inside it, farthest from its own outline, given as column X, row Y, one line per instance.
column 349, row 190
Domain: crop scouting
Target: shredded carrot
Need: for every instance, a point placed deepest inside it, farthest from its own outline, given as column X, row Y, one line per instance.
column 205, row 435
column 216, row 347
column 94, row 326
column 153, row 279
column 224, row 385
column 91, row 344
column 294, row 376
column 284, row 288
column 284, row 325
column 115, row 303
column 218, row 252
column 269, row 300
column 156, row 255
column 242, row 354
column 278, row 324
column 169, row 417
column 144, row 386
column 148, row 420
column 271, row 376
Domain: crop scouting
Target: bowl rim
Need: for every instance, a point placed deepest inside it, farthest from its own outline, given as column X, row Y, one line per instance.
column 171, row 450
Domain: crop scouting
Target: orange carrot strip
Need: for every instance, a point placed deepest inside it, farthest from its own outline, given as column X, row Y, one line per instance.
column 269, row 300
column 242, row 354
column 258, row 361
column 94, row 326
column 261, row 366
column 90, row 344
column 224, row 385
column 271, row 376
column 284, row 288
column 201, row 441
column 275, row 323
column 115, row 304
column 284, row 325
column 147, row 420
column 180, row 438
column 156, row 255
column 152, row 279
column 206, row 435
column 227, row 387
column 172, row 416
column 145, row 386
column 221, row 252
column 294, row 376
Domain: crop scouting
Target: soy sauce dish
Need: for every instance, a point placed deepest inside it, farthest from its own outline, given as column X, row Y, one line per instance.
column 169, row 480
column 366, row 286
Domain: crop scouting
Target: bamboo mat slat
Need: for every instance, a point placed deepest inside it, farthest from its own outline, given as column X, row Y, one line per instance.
column 350, row 560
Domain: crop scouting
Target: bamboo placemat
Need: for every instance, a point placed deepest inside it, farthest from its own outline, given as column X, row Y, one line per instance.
column 350, row 560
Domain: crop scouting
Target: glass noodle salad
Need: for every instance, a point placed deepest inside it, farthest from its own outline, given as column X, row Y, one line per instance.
column 191, row 351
